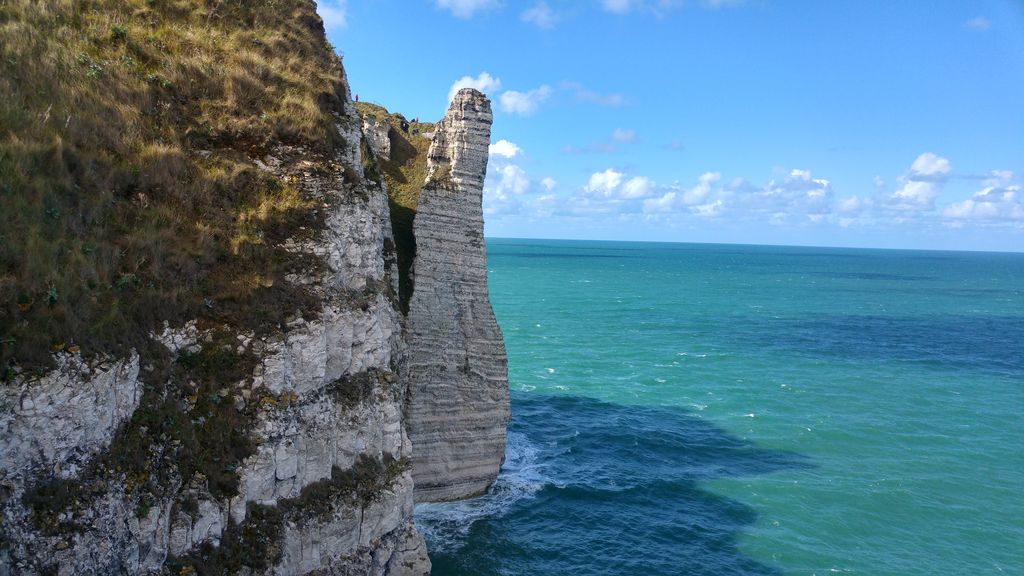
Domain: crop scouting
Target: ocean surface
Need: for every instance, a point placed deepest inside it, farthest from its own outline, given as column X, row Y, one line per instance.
column 723, row 409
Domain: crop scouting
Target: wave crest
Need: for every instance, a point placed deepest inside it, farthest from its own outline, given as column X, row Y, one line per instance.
column 445, row 525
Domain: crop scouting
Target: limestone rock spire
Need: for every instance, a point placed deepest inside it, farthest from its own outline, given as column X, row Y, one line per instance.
column 456, row 368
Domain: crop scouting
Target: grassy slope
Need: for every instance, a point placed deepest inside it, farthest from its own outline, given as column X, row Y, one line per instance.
column 404, row 174
column 127, row 196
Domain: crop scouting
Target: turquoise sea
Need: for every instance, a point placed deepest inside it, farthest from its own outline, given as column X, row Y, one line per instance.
column 723, row 409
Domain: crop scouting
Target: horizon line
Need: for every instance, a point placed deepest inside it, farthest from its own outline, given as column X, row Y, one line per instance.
column 767, row 245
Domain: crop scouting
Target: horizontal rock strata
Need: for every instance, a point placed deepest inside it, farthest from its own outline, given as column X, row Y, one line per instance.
column 458, row 405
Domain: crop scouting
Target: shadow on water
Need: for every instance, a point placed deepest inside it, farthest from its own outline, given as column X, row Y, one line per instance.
column 990, row 344
column 597, row 488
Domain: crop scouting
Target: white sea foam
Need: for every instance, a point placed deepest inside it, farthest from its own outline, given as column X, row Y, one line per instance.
column 446, row 525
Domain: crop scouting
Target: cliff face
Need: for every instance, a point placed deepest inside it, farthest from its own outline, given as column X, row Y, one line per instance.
column 327, row 485
column 458, row 404
column 233, row 385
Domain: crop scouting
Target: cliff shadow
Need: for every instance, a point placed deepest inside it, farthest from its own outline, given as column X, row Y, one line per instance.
column 591, row 487
column 405, row 250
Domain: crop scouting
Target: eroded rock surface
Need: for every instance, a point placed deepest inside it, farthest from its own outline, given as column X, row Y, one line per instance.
column 329, row 484
column 376, row 133
column 458, row 407
column 59, row 421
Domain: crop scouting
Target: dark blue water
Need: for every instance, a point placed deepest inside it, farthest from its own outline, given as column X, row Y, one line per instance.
column 703, row 409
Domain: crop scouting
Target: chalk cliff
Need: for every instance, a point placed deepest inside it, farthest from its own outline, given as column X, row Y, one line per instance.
column 328, row 486
column 280, row 432
column 458, row 403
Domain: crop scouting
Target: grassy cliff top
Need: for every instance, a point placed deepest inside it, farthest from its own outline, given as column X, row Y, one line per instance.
column 406, row 170
column 128, row 194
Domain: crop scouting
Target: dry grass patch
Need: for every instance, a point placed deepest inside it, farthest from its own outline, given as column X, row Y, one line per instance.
column 127, row 192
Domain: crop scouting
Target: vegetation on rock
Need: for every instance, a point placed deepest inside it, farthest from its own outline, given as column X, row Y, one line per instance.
column 189, row 425
column 403, row 173
column 256, row 542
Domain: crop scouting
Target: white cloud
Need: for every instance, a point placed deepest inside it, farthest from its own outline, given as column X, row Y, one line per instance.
column 930, row 166
column 464, row 8
column 709, row 210
column 624, row 135
column 799, row 175
column 484, row 82
column 677, row 196
column 505, row 189
column 664, row 203
column 505, row 149
column 921, row 185
column 852, row 205
column 540, row 15
column 604, row 183
column 798, row 197
column 990, row 203
column 512, row 179
column 699, row 192
column 998, row 178
column 978, row 23
column 334, row 14
column 524, row 103
column 544, row 206
column 614, row 187
column 637, row 187
column 914, row 195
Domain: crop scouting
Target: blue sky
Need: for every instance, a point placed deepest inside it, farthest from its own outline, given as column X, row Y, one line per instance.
column 849, row 123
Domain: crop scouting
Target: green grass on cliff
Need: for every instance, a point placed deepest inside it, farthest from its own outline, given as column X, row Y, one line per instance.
column 127, row 191
column 404, row 173
column 406, row 170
